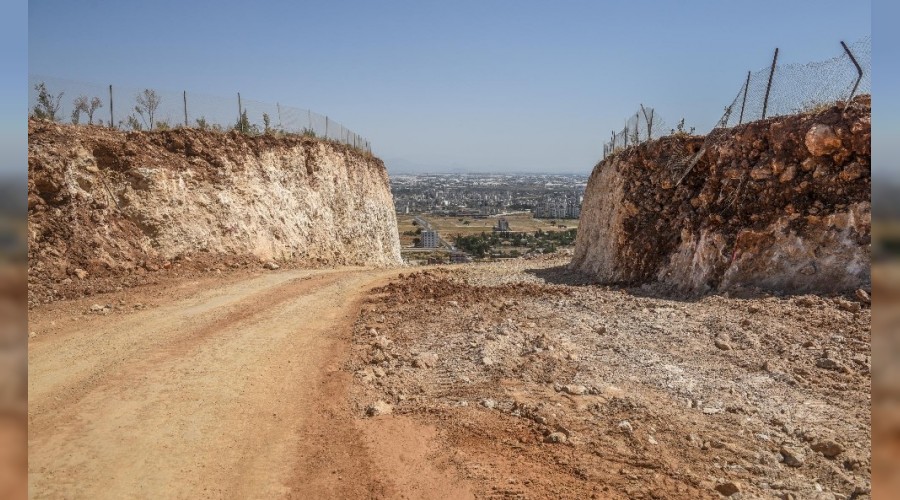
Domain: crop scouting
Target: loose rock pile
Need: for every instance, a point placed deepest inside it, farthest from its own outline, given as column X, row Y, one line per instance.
column 583, row 390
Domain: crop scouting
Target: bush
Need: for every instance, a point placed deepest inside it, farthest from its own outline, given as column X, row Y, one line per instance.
column 47, row 104
column 133, row 123
column 147, row 103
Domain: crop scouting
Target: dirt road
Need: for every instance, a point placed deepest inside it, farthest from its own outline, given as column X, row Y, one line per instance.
column 230, row 390
column 508, row 380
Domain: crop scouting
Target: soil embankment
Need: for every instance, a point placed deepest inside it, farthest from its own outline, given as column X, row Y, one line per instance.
column 109, row 208
column 779, row 205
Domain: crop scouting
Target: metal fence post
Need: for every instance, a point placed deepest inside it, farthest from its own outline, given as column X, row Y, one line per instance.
column 185, row 109
column 240, row 112
column 112, row 122
column 769, row 85
column 649, row 120
column 858, row 69
column 744, row 102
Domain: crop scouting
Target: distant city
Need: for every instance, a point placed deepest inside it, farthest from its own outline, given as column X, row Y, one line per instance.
column 551, row 196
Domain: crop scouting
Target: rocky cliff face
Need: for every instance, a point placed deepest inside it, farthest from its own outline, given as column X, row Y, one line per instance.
column 104, row 203
column 780, row 205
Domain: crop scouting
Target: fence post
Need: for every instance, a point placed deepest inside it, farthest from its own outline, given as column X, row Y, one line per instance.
column 185, row 109
column 278, row 109
column 649, row 120
column 858, row 69
column 240, row 112
column 637, row 127
column 744, row 102
column 112, row 123
column 326, row 126
column 769, row 85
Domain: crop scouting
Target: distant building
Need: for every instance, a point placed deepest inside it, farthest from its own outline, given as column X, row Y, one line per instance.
column 559, row 206
column 502, row 226
column 573, row 207
column 430, row 239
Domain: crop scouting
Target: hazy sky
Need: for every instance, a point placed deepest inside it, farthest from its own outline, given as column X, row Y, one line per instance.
column 470, row 85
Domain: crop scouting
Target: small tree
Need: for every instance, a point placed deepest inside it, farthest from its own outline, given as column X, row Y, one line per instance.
column 82, row 105
column 147, row 102
column 79, row 105
column 96, row 104
column 47, row 104
column 134, row 123
column 243, row 123
column 202, row 124
column 267, row 122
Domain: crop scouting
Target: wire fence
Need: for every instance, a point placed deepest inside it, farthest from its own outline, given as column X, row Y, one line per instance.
column 776, row 90
column 642, row 126
column 150, row 109
column 786, row 89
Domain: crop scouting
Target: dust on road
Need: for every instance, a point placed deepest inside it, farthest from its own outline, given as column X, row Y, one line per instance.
column 231, row 390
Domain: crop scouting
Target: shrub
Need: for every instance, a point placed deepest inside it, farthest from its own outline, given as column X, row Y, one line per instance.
column 47, row 104
column 147, row 103
column 133, row 123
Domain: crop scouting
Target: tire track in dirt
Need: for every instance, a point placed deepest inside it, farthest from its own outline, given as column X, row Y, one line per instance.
column 232, row 393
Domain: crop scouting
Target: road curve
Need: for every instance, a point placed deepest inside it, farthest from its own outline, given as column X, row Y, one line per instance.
column 230, row 392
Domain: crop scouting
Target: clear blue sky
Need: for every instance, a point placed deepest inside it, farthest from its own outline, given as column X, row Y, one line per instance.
column 471, row 85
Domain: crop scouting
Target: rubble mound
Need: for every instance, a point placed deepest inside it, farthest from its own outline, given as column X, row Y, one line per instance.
column 106, row 206
column 548, row 390
column 780, row 205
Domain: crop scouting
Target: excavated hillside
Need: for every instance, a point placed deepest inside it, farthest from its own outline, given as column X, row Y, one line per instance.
column 779, row 205
column 108, row 208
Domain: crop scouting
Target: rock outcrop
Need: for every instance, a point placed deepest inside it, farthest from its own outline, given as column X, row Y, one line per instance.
column 104, row 203
column 781, row 205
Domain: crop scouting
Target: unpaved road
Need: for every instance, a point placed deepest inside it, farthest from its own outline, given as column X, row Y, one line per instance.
column 228, row 388
column 508, row 380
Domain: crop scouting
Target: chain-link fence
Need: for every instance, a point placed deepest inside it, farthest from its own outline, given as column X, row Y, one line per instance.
column 785, row 89
column 776, row 90
column 788, row 89
column 150, row 109
column 640, row 127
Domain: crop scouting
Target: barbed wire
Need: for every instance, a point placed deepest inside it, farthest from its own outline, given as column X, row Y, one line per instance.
column 120, row 107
